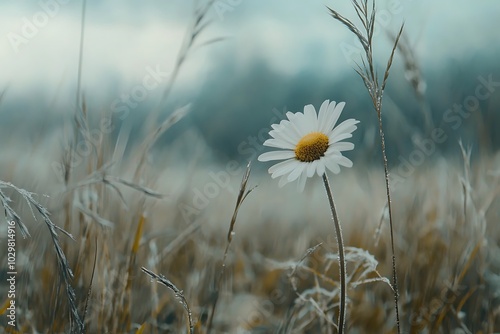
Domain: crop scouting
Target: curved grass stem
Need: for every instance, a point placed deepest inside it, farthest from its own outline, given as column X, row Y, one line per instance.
column 391, row 227
column 342, row 265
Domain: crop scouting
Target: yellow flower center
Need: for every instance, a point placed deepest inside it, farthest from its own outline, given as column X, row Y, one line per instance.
column 311, row 147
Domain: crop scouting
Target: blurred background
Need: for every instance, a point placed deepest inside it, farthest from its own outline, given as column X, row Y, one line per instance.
column 272, row 57
column 250, row 61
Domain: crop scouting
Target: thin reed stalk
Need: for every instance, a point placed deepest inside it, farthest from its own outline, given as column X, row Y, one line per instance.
column 243, row 193
column 375, row 88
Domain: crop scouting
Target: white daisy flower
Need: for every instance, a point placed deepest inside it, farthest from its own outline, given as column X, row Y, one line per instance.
column 310, row 143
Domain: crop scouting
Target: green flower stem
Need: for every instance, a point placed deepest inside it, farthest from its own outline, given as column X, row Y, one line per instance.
column 342, row 265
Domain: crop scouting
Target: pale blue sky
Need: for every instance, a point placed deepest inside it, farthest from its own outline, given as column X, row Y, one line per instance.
column 123, row 38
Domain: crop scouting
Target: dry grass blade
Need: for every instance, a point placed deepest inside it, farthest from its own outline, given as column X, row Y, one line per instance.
column 176, row 116
column 177, row 242
column 153, row 137
column 359, row 11
column 468, row 264
column 303, row 296
column 466, row 182
column 130, row 268
column 65, row 271
column 383, row 217
column 211, row 41
column 371, row 23
column 145, row 190
column 11, row 214
column 349, row 26
column 197, row 26
column 178, row 294
column 101, row 176
column 94, row 216
column 389, row 62
column 2, row 95
column 140, row 330
column 413, row 74
column 28, row 197
column 5, row 306
column 305, row 256
column 117, row 191
column 89, row 292
column 243, row 193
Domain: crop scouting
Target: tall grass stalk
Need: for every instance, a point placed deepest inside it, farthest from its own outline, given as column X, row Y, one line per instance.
column 375, row 88
column 197, row 26
column 243, row 193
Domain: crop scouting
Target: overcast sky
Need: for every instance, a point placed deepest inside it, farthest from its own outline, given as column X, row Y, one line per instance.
column 39, row 44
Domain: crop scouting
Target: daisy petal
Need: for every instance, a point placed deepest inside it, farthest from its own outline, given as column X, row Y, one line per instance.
column 332, row 165
column 279, row 143
column 283, row 181
column 347, row 126
column 334, row 111
column 291, row 116
column 283, row 168
column 311, row 118
column 295, row 124
column 276, row 155
column 286, row 132
column 332, row 152
column 342, row 146
column 321, row 168
column 296, row 172
column 302, row 124
column 280, row 134
column 334, row 139
column 343, row 161
column 311, row 168
column 322, row 114
column 302, row 182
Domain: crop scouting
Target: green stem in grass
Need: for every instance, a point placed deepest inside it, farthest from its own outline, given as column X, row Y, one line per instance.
column 340, row 244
